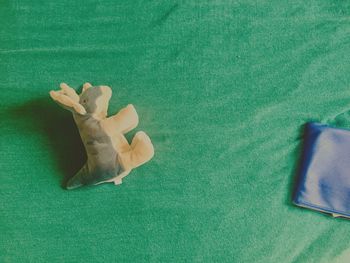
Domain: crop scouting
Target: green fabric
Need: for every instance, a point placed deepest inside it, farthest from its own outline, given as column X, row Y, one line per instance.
column 221, row 87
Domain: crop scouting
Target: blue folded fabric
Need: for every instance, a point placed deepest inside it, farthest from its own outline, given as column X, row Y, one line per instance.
column 324, row 174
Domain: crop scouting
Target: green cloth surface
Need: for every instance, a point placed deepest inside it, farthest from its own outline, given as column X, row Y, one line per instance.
column 222, row 88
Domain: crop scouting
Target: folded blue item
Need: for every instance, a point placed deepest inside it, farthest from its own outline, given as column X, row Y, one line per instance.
column 324, row 173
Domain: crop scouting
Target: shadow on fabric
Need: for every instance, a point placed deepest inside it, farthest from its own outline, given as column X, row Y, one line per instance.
column 297, row 153
column 44, row 118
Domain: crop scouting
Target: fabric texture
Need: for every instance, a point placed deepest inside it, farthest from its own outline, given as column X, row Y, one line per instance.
column 221, row 87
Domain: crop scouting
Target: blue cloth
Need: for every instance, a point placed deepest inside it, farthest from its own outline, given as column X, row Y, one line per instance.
column 324, row 175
